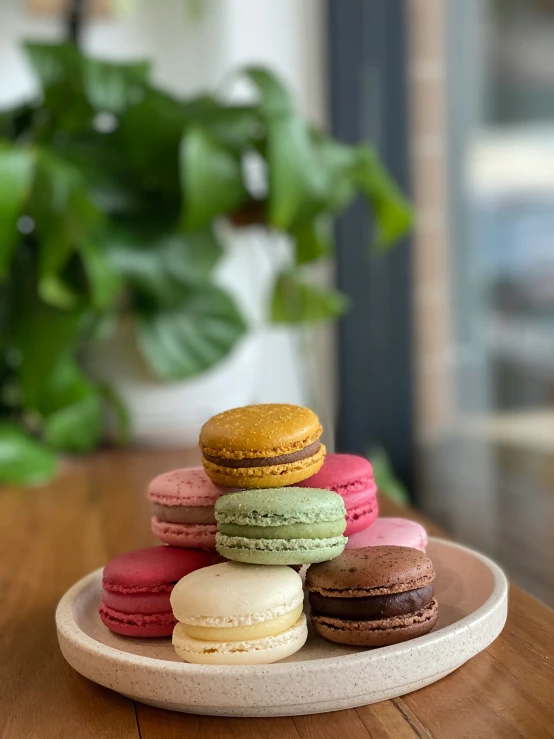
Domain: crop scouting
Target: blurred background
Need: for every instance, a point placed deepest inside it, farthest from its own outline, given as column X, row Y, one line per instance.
column 166, row 254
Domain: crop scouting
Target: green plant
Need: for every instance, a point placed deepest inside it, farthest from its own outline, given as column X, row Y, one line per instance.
column 387, row 482
column 109, row 192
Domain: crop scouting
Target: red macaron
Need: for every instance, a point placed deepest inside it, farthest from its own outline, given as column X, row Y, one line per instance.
column 352, row 478
column 136, row 587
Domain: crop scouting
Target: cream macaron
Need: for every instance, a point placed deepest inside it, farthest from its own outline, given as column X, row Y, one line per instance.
column 238, row 614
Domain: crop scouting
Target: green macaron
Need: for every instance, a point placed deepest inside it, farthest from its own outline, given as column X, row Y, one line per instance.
column 280, row 526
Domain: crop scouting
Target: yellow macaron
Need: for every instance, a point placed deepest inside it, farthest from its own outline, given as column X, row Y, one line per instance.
column 262, row 446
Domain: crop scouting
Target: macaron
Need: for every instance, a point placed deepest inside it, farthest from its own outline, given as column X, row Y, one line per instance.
column 399, row 532
column 262, row 446
column 352, row 478
column 182, row 504
column 373, row 597
column 281, row 526
column 237, row 614
column 136, row 587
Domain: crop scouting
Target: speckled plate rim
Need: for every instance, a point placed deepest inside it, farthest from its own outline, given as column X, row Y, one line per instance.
column 490, row 616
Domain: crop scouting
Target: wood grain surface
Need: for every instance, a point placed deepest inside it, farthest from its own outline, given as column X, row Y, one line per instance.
column 52, row 536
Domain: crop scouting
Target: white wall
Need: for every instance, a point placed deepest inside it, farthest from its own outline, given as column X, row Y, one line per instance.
column 190, row 55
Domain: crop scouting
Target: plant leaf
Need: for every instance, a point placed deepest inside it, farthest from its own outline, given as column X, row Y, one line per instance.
column 53, row 64
column 104, row 282
column 313, row 241
column 23, row 461
column 393, row 215
column 112, row 87
column 149, row 134
column 289, row 151
column 336, row 161
column 110, row 179
column 190, row 258
column 40, row 333
column 64, row 216
column 54, row 291
column 387, row 482
column 234, row 126
column 64, row 108
column 192, row 337
column 275, row 100
column 290, row 163
column 16, row 172
column 71, row 407
column 17, row 120
column 76, row 427
column 211, row 179
column 295, row 301
column 156, row 264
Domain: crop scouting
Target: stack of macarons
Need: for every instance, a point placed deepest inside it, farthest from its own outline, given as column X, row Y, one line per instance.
column 268, row 496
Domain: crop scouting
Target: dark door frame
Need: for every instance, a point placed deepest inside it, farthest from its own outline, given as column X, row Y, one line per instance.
column 368, row 96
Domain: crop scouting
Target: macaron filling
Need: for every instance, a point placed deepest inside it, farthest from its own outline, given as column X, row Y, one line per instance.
column 316, row 530
column 308, row 451
column 138, row 602
column 184, row 514
column 373, row 607
column 258, row 630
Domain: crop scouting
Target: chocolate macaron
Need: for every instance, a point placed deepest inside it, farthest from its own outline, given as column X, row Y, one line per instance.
column 262, row 446
column 373, row 597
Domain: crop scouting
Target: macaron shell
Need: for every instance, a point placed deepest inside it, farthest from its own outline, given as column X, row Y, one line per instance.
column 253, row 652
column 343, row 473
column 271, row 476
column 137, row 624
column 151, row 569
column 264, row 430
column 279, row 506
column 232, row 594
column 189, row 487
column 381, row 633
column 272, row 555
column 372, row 571
column 185, row 535
column 360, row 517
column 390, row 532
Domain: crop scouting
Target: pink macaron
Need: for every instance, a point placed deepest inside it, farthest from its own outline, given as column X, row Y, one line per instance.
column 351, row 477
column 399, row 532
column 183, row 508
column 136, row 587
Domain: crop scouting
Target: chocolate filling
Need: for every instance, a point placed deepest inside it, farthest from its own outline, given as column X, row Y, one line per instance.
column 308, row 451
column 182, row 514
column 373, row 607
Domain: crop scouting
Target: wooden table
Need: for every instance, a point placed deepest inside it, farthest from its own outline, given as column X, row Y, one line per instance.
column 50, row 537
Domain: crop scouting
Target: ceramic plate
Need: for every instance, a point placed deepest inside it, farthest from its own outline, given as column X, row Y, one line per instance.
column 472, row 593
